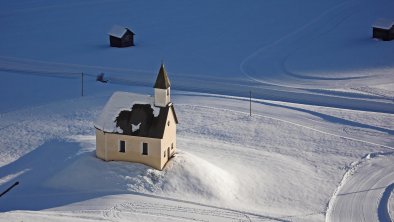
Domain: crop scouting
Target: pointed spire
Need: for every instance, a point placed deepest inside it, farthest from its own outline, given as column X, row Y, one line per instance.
column 162, row 81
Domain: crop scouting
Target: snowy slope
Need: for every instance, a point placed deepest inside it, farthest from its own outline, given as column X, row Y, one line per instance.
column 323, row 103
column 391, row 205
column 365, row 195
column 316, row 47
column 286, row 179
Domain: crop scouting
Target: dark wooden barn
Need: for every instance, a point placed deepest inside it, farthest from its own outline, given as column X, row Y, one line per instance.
column 121, row 37
column 383, row 29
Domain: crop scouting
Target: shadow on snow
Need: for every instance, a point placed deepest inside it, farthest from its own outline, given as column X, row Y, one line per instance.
column 36, row 168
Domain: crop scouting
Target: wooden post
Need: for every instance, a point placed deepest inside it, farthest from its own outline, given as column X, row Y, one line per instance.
column 250, row 103
column 82, row 84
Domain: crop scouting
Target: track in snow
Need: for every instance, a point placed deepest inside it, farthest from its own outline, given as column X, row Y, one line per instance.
column 364, row 194
column 143, row 209
column 287, row 45
column 228, row 86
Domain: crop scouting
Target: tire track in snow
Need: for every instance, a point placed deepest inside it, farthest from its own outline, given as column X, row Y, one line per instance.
column 174, row 210
column 284, row 38
column 288, row 122
column 364, row 192
column 230, row 86
column 383, row 208
column 383, row 211
column 199, row 213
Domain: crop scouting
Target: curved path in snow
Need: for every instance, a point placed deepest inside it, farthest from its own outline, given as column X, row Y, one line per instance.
column 364, row 196
column 229, row 86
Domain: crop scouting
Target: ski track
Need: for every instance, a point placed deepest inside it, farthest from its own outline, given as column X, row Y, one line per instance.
column 236, row 87
column 364, row 192
column 362, row 195
column 183, row 212
column 168, row 210
column 284, row 38
column 295, row 124
column 384, row 178
column 122, row 210
column 391, row 205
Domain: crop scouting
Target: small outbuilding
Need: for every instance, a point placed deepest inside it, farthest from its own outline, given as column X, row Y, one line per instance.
column 138, row 128
column 383, row 29
column 121, row 37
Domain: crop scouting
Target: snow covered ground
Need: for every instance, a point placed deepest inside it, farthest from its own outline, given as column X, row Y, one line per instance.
column 283, row 163
column 391, row 205
column 368, row 189
column 318, row 147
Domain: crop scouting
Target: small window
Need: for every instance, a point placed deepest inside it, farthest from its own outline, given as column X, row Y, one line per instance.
column 172, row 146
column 168, row 92
column 122, row 146
column 164, row 153
column 168, row 123
column 144, row 148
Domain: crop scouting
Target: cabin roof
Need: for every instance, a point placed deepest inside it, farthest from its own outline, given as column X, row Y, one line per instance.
column 133, row 114
column 383, row 23
column 118, row 31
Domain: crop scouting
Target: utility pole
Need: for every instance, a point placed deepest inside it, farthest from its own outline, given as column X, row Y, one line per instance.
column 250, row 103
column 82, row 84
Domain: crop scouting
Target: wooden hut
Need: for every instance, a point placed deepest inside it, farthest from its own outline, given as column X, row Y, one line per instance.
column 121, row 37
column 383, row 29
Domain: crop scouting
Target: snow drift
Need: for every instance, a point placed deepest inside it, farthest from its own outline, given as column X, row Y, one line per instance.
column 186, row 176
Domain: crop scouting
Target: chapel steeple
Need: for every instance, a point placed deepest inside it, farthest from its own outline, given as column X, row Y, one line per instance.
column 162, row 88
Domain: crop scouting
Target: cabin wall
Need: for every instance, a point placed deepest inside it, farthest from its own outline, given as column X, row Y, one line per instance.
column 383, row 34
column 108, row 145
column 115, row 42
column 126, row 41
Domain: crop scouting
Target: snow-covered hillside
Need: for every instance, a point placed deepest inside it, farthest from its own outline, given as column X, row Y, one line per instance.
column 318, row 146
column 289, row 51
column 270, row 165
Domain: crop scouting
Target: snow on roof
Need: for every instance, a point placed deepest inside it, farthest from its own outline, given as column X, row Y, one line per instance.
column 383, row 23
column 117, row 31
column 118, row 102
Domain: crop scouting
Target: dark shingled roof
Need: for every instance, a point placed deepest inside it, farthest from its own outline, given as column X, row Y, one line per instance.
column 142, row 115
column 162, row 81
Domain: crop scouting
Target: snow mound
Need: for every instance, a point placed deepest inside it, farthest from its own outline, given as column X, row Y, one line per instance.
column 185, row 176
column 190, row 175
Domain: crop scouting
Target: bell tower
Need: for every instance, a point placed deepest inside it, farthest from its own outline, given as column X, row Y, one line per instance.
column 162, row 88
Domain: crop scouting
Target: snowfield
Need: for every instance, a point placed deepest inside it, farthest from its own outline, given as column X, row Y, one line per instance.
column 264, row 167
column 318, row 146
column 369, row 188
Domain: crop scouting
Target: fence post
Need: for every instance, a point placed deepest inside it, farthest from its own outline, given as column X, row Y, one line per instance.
column 82, row 84
column 250, row 103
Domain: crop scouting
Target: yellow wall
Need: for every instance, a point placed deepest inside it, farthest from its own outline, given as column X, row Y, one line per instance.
column 168, row 138
column 107, row 148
